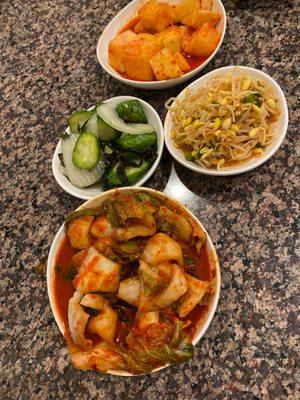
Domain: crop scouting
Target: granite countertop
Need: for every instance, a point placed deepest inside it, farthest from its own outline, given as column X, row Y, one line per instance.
column 49, row 68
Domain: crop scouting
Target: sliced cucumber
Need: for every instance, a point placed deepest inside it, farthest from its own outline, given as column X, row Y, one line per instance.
column 106, row 132
column 131, row 111
column 79, row 177
column 92, row 124
column 113, row 178
column 139, row 143
column 86, row 153
column 78, row 119
column 101, row 129
column 107, row 112
column 133, row 174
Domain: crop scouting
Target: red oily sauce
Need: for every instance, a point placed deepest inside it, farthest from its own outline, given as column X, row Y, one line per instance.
column 197, row 265
column 200, row 267
column 203, row 270
column 63, row 285
column 194, row 62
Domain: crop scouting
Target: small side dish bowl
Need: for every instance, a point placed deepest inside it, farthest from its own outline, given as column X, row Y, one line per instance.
column 94, row 190
column 122, row 18
column 206, row 318
column 279, row 127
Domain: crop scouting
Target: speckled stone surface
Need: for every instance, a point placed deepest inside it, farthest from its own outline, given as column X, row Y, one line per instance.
column 48, row 68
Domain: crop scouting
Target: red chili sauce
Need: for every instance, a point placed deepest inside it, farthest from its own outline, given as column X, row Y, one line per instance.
column 194, row 62
column 63, row 287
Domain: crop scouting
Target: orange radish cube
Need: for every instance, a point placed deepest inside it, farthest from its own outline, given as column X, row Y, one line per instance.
column 203, row 41
column 183, row 9
column 186, row 34
column 181, row 62
column 164, row 65
column 116, row 49
column 171, row 38
column 155, row 16
column 200, row 17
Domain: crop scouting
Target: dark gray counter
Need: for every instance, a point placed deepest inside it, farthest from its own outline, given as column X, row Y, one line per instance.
column 48, row 68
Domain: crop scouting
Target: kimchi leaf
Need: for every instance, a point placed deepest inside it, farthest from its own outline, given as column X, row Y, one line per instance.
column 162, row 344
column 79, row 213
column 145, row 197
column 113, row 216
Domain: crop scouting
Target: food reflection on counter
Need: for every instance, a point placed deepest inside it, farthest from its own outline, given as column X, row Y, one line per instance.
column 133, row 281
column 165, row 41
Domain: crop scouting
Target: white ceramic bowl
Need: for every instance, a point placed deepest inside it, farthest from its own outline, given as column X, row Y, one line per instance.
column 94, row 190
column 96, row 202
column 280, row 127
column 120, row 20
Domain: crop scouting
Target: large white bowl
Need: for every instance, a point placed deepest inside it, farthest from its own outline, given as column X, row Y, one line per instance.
column 120, row 20
column 94, row 190
column 96, row 202
column 280, row 127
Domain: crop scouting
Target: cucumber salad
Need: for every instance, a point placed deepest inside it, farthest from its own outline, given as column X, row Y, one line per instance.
column 113, row 144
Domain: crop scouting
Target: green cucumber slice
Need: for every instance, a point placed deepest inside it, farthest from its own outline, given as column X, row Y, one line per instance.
column 86, row 153
column 79, row 177
column 113, row 178
column 133, row 174
column 77, row 120
column 139, row 143
column 106, row 132
column 101, row 129
column 131, row 111
column 107, row 112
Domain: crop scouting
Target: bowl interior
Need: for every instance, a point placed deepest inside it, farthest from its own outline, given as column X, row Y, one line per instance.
column 94, row 190
column 280, row 127
column 120, row 20
column 96, row 202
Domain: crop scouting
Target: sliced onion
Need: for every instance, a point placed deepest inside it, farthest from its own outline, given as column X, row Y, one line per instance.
column 79, row 177
column 107, row 112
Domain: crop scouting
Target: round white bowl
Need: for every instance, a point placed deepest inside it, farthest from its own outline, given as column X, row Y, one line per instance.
column 96, row 202
column 280, row 127
column 94, row 190
column 120, row 20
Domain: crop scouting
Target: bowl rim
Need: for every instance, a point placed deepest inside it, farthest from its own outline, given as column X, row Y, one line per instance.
column 77, row 192
column 155, row 83
column 242, row 168
column 60, row 235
